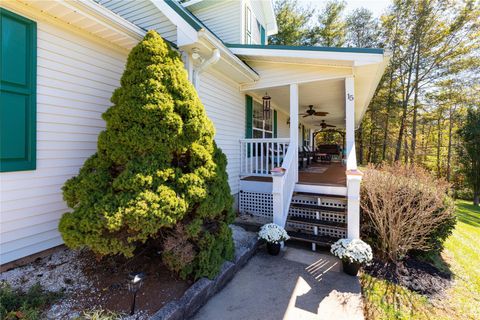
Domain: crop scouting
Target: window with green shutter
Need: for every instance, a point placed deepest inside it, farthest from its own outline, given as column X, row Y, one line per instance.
column 18, row 55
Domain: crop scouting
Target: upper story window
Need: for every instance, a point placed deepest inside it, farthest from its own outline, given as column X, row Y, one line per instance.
column 248, row 25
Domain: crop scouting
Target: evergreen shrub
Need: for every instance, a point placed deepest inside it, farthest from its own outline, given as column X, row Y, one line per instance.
column 157, row 173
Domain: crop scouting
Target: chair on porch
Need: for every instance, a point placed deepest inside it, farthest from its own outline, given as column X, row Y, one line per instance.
column 310, row 154
column 302, row 158
column 275, row 156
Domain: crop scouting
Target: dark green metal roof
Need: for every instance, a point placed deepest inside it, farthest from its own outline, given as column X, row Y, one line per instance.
column 305, row 48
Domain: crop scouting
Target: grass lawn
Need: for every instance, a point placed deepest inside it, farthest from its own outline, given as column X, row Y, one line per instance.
column 384, row 300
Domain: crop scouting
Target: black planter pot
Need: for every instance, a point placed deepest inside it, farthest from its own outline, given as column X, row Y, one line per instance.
column 273, row 248
column 350, row 268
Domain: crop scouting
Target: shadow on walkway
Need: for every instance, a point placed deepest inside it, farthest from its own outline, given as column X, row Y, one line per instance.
column 298, row 284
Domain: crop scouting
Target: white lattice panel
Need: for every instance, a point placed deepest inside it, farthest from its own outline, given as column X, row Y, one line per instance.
column 256, row 203
column 332, row 202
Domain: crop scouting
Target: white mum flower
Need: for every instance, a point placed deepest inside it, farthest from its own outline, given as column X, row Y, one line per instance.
column 273, row 233
column 352, row 250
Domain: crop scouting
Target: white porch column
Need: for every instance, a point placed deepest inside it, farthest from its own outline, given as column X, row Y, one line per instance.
column 294, row 124
column 350, row 123
column 354, row 176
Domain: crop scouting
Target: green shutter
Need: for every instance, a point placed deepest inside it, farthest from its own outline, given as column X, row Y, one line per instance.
column 18, row 63
column 248, row 117
column 263, row 37
column 275, row 124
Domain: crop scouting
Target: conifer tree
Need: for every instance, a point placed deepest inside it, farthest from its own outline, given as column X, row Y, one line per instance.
column 157, row 175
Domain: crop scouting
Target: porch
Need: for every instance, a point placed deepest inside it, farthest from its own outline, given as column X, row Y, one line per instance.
column 286, row 176
column 332, row 174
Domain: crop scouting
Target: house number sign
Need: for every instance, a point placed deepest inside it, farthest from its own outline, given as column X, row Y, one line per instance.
column 350, row 97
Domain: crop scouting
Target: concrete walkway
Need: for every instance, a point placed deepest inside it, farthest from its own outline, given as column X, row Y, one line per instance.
column 298, row 284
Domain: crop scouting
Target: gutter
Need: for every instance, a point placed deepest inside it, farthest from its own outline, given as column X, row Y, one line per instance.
column 106, row 16
column 211, row 61
column 204, row 66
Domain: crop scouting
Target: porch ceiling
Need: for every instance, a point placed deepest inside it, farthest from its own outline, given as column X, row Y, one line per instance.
column 326, row 95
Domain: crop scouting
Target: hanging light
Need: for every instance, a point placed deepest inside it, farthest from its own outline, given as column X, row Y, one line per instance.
column 266, row 106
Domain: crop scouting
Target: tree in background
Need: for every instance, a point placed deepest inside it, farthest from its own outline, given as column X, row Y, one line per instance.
column 469, row 151
column 157, row 176
column 294, row 25
column 362, row 29
column 331, row 27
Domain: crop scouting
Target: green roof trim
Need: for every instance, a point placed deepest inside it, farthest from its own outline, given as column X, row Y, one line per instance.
column 185, row 14
column 305, row 48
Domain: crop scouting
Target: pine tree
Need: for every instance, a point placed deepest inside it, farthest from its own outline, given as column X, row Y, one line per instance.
column 332, row 27
column 157, row 173
column 294, row 25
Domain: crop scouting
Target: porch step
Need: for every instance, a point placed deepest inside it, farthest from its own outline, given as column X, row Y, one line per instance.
column 318, row 208
column 324, row 241
column 317, row 222
column 319, row 195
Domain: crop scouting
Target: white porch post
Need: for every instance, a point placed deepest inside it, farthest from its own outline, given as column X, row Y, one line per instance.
column 294, row 125
column 354, row 176
column 350, row 123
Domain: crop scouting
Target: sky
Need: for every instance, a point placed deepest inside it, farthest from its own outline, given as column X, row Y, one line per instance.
column 376, row 6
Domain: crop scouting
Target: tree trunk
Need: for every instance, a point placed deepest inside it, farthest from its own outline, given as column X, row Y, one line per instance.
column 476, row 199
column 449, row 152
column 415, row 108
column 406, row 150
column 407, row 91
column 398, row 149
column 387, row 120
column 439, row 143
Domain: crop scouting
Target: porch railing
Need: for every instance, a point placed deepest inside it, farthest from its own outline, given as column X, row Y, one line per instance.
column 260, row 156
column 282, row 188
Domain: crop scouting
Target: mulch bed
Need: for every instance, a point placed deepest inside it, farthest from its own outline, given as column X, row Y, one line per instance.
column 109, row 277
column 412, row 273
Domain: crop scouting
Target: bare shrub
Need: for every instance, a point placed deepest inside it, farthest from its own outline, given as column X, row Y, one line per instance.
column 404, row 207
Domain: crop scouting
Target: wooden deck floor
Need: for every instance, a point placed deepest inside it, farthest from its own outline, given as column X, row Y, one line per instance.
column 317, row 174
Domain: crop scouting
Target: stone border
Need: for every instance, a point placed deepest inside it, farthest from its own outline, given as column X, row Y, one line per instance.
column 202, row 290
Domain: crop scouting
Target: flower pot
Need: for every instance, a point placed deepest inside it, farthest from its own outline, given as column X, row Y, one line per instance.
column 273, row 248
column 350, row 268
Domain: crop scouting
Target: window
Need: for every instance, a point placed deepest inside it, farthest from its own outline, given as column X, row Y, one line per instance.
column 18, row 92
column 255, row 125
column 248, row 25
column 262, row 128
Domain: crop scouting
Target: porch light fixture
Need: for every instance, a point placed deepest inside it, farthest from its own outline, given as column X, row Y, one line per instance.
column 266, row 105
column 196, row 53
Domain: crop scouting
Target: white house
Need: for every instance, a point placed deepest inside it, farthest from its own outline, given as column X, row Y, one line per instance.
column 61, row 61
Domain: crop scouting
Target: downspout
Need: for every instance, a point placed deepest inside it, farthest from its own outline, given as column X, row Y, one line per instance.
column 204, row 66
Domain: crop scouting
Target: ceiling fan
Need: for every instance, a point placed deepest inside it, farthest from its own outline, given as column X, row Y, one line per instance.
column 324, row 125
column 311, row 112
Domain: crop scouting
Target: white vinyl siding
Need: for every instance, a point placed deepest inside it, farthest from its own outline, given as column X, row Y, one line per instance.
column 224, row 19
column 75, row 80
column 282, row 126
column 225, row 106
column 144, row 14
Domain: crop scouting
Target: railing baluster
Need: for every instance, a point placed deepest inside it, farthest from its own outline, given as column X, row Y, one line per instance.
column 275, row 145
column 261, row 158
column 250, row 147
